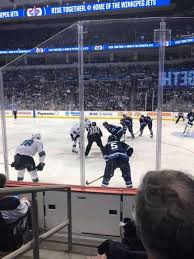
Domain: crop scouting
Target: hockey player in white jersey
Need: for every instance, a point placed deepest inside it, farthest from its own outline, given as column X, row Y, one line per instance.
column 23, row 158
column 75, row 137
column 75, row 133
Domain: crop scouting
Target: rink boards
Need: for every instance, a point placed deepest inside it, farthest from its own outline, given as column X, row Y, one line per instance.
column 109, row 205
column 89, row 114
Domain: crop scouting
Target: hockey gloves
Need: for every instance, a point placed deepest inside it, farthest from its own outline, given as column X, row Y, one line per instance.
column 129, row 151
column 13, row 164
column 40, row 166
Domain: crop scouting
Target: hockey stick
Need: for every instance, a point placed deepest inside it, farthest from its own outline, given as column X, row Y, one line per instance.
column 185, row 129
column 88, row 183
column 3, row 164
column 136, row 132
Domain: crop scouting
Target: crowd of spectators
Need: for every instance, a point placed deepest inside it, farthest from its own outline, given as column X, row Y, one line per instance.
column 116, row 87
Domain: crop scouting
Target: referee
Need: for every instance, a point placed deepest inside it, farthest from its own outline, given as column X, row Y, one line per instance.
column 94, row 135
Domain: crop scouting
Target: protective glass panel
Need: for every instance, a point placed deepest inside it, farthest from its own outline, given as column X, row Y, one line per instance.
column 178, row 99
column 1, row 147
column 102, row 71
column 120, row 84
column 41, row 88
column 1, row 152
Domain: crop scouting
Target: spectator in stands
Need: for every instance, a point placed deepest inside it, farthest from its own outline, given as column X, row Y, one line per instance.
column 3, row 180
column 129, row 248
column 130, row 237
column 165, row 215
column 14, row 219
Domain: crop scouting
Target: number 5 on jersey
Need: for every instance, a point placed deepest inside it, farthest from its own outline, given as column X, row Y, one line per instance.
column 114, row 146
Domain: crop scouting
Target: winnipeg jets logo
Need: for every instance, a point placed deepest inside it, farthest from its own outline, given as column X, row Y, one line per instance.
column 35, row 11
column 98, row 47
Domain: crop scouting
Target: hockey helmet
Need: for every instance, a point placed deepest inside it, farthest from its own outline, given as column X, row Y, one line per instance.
column 93, row 123
column 36, row 136
column 105, row 123
column 112, row 138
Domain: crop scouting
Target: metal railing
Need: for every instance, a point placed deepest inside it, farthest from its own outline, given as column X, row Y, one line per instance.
column 34, row 244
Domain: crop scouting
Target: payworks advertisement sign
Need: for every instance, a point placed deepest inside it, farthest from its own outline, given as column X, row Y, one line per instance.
column 82, row 8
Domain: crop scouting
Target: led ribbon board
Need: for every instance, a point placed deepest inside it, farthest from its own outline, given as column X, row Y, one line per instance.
column 104, row 47
column 82, row 8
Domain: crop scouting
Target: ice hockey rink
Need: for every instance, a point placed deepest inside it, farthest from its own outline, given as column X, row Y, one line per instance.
column 63, row 166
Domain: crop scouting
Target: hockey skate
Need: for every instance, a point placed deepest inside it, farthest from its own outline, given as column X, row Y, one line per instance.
column 129, row 185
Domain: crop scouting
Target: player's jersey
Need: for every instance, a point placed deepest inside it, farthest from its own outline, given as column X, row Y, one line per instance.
column 113, row 129
column 180, row 114
column 117, row 149
column 30, row 147
column 128, row 122
column 190, row 116
column 75, row 130
column 145, row 120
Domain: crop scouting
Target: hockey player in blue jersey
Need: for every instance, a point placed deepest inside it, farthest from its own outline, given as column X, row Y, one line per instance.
column 116, row 154
column 114, row 130
column 127, row 123
column 145, row 121
column 190, row 118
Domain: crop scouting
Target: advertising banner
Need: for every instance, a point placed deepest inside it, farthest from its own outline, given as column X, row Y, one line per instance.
column 37, row 11
column 90, row 114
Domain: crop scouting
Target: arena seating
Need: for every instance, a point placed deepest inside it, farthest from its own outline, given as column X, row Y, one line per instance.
column 125, row 86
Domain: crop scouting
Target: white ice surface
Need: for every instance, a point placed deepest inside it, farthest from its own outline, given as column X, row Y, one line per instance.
column 64, row 167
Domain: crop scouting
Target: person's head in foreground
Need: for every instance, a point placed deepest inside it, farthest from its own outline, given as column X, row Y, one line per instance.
column 165, row 215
